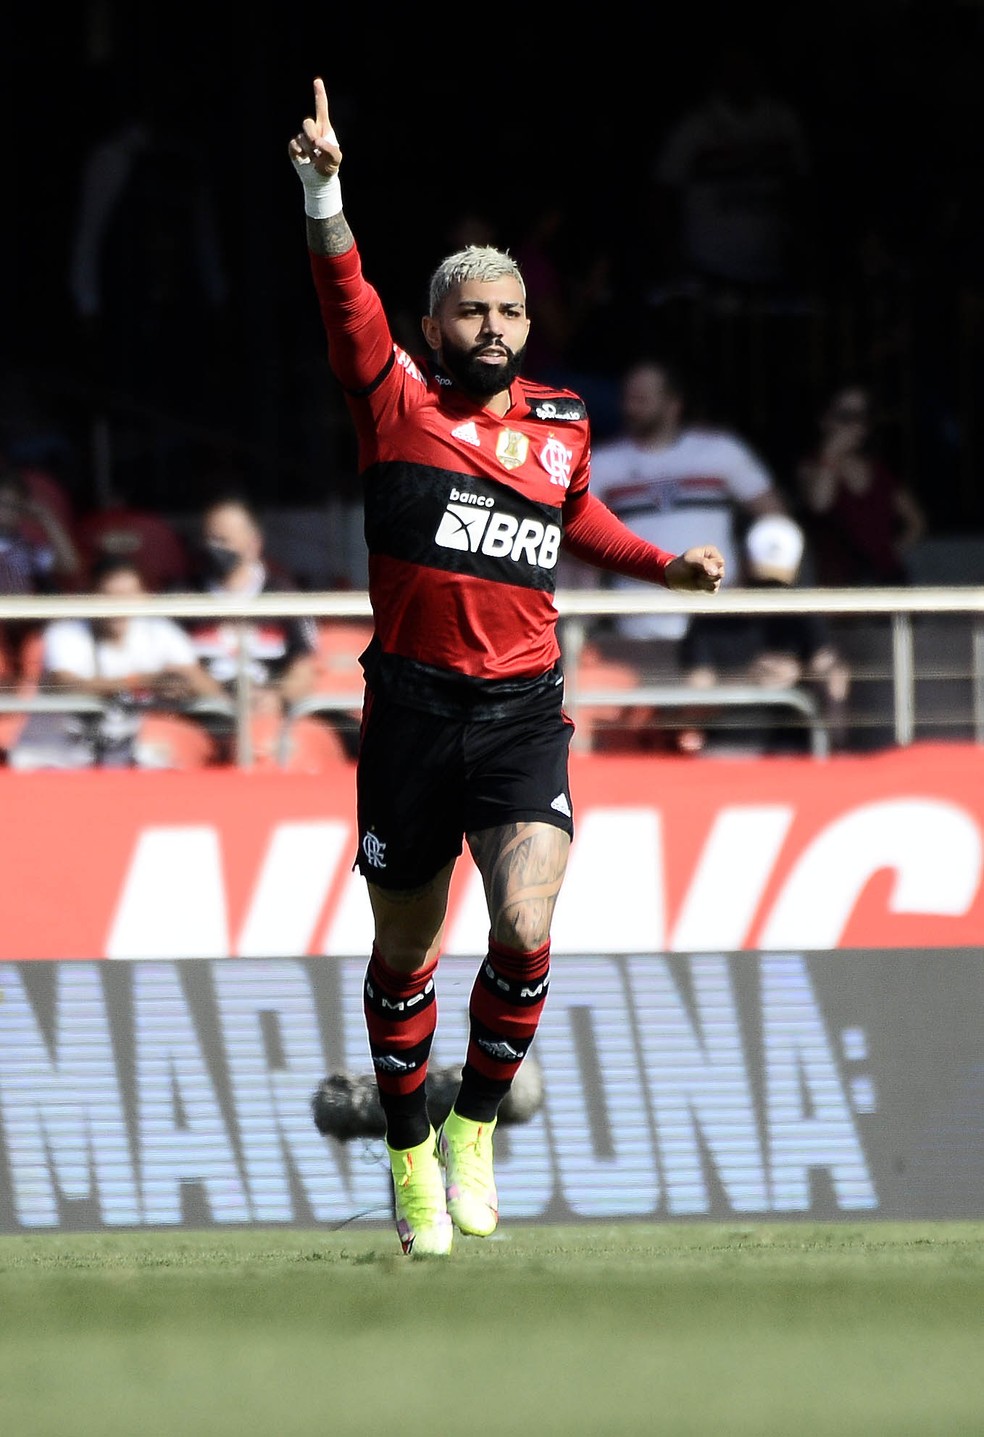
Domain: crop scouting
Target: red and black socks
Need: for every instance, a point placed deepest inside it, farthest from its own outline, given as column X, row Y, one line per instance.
column 401, row 1016
column 504, row 1010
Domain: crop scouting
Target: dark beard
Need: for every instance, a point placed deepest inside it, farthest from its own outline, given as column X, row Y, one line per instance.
column 480, row 380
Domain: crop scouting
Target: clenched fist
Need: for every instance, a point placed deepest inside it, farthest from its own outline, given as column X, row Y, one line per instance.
column 697, row 571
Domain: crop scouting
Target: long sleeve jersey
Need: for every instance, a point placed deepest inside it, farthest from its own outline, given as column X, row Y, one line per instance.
column 465, row 514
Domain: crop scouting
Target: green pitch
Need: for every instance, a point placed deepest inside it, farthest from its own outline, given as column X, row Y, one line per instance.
column 758, row 1329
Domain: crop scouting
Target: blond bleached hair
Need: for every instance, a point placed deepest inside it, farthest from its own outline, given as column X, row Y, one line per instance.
column 475, row 261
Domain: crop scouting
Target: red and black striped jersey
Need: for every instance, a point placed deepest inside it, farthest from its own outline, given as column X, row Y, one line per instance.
column 465, row 512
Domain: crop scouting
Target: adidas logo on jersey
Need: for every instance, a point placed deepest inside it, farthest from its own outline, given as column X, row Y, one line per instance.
column 467, row 526
column 468, row 433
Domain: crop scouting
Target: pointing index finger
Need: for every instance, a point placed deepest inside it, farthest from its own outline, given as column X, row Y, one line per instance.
column 321, row 116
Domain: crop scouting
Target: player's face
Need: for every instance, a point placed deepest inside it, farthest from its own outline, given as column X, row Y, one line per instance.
column 480, row 334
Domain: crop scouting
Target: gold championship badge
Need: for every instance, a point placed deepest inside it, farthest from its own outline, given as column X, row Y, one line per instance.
column 511, row 449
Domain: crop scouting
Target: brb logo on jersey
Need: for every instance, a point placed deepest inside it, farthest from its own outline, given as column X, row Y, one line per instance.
column 470, row 525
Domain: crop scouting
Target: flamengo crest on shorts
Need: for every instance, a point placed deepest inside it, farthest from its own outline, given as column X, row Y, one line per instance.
column 374, row 850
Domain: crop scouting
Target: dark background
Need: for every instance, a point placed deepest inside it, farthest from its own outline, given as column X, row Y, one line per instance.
column 441, row 112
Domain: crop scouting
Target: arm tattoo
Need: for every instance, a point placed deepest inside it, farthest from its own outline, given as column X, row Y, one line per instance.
column 329, row 237
column 523, row 867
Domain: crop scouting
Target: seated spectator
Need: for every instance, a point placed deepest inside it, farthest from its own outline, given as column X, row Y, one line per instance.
column 280, row 660
column 143, row 668
column 768, row 650
column 861, row 518
column 37, row 556
column 121, row 528
column 37, row 442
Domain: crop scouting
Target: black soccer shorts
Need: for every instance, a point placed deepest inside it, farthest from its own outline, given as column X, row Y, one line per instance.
column 425, row 781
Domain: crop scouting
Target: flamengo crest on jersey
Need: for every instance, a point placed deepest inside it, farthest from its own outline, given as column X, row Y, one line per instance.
column 558, row 461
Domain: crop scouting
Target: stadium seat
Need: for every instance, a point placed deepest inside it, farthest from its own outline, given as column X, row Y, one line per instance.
column 171, row 741
column 10, row 731
column 336, row 702
column 340, row 642
column 300, row 744
column 20, row 672
column 311, row 746
column 610, row 728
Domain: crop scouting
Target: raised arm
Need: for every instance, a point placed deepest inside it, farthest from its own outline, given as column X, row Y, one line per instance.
column 360, row 343
column 315, row 154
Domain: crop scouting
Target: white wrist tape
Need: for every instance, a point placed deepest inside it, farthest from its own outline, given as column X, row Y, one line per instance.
column 322, row 196
column 324, row 199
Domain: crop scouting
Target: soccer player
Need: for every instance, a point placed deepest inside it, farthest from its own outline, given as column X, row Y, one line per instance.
column 472, row 478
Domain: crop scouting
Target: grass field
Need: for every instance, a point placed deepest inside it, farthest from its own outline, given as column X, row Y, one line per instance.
column 664, row 1329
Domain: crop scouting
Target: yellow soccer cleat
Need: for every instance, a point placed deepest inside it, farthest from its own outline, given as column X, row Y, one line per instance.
column 422, row 1222
column 464, row 1149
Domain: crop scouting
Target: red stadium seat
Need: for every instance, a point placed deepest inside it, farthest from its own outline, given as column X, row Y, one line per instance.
column 610, row 727
column 20, row 672
column 171, row 741
column 340, row 642
column 311, row 746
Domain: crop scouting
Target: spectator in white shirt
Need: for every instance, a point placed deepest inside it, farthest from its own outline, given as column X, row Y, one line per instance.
column 137, row 665
column 668, row 479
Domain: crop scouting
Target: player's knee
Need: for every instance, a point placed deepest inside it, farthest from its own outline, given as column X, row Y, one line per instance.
column 523, row 930
column 408, row 952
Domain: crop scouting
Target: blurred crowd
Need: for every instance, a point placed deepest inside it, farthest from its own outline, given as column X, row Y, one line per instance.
column 765, row 258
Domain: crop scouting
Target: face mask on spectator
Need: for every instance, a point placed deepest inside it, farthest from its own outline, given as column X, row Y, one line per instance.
column 221, row 561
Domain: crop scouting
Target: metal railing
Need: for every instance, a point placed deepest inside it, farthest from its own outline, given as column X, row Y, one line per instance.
column 579, row 611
